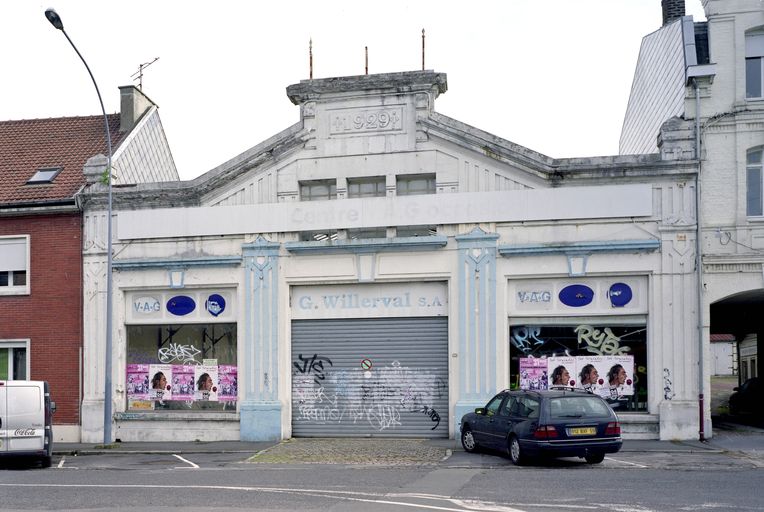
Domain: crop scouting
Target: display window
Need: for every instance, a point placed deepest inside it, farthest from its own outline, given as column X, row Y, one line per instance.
column 181, row 367
column 608, row 359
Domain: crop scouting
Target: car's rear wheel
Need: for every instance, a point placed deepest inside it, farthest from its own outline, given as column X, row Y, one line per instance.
column 595, row 458
column 45, row 461
column 516, row 454
column 468, row 440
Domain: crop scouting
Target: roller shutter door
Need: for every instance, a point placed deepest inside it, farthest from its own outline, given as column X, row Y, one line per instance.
column 376, row 377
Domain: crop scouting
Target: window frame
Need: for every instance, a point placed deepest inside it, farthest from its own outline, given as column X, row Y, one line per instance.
column 22, row 289
column 754, row 52
column 379, row 183
column 311, row 185
column 754, row 211
column 16, row 344
column 407, row 179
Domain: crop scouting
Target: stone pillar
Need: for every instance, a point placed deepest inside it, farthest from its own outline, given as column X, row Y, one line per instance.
column 476, row 320
column 261, row 408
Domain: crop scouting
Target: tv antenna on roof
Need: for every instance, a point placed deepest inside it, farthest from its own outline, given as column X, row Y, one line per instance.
column 138, row 75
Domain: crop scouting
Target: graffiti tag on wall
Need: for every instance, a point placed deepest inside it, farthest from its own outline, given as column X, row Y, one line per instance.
column 380, row 399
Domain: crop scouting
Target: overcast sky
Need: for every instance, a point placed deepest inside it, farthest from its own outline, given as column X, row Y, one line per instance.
column 551, row 75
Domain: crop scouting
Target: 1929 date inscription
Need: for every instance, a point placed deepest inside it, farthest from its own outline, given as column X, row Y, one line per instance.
column 388, row 119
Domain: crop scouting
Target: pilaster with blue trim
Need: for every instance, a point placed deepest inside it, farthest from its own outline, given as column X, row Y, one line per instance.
column 477, row 320
column 260, row 409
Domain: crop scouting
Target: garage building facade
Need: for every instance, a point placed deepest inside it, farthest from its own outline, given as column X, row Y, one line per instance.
column 379, row 269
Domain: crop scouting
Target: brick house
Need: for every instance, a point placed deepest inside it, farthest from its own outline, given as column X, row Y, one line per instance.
column 44, row 165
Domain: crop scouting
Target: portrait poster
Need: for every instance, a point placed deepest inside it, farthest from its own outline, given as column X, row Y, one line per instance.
column 617, row 379
column 592, row 379
column 159, row 389
column 206, row 383
column 568, row 363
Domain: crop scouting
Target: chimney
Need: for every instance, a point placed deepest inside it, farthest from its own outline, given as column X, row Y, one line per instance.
column 133, row 104
column 672, row 10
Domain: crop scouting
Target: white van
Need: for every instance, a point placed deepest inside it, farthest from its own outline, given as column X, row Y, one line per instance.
column 25, row 420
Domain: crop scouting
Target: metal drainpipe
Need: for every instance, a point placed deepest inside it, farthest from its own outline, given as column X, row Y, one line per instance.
column 699, row 256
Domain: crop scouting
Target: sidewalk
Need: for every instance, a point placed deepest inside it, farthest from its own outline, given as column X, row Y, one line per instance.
column 727, row 438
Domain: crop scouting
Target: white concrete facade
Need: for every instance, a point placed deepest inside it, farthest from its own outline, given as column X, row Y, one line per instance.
column 509, row 231
column 728, row 125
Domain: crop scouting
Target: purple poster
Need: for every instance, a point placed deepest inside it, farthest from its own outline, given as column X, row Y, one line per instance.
column 183, row 382
column 533, row 373
column 228, row 386
column 137, row 381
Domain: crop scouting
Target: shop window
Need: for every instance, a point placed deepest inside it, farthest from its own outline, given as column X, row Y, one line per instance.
column 14, row 363
column 182, row 367
column 318, row 190
column 754, row 182
column 14, row 265
column 366, row 187
column 754, row 68
column 606, row 359
column 415, row 184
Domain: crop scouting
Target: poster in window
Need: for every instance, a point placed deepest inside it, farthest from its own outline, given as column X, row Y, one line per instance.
column 533, row 373
column 618, row 381
column 183, row 379
column 228, row 384
column 561, row 371
column 206, row 383
column 161, row 382
column 137, row 381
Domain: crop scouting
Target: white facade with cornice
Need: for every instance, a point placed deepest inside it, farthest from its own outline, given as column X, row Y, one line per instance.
column 391, row 314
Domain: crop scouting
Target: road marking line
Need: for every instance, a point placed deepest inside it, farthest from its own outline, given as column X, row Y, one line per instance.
column 629, row 463
column 61, row 463
column 339, row 495
column 193, row 466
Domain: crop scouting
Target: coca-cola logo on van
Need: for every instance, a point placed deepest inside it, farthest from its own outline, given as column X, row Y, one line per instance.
column 24, row 432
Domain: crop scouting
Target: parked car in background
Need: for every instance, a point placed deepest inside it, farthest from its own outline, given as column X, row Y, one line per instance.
column 557, row 423
column 26, row 420
column 748, row 399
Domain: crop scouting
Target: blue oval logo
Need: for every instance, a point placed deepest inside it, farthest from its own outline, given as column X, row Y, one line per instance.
column 619, row 294
column 576, row 295
column 215, row 304
column 181, row 305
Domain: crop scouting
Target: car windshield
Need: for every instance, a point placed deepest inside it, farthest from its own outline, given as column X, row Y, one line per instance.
column 578, row 407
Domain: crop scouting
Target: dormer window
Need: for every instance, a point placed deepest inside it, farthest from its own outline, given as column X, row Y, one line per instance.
column 44, row 175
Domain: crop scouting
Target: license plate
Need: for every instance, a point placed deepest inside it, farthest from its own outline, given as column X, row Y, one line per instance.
column 583, row 431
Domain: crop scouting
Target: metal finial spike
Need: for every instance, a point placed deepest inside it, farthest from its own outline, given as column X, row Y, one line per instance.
column 310, row 55
column 422, row 49
column 366, row 64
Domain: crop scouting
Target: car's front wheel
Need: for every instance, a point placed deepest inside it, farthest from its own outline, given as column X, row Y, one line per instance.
column 595, row 458
column 468, row 440
column 516, row 454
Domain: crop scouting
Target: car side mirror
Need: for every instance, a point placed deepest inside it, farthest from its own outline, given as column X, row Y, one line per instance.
column 480, row 411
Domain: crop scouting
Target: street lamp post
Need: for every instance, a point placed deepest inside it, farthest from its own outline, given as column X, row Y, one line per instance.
column 55, row 20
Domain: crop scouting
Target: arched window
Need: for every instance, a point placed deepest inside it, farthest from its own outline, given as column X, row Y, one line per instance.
column 754, row 190
column 754, row 64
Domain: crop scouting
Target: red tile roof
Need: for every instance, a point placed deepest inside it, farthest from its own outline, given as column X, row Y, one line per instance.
column 30, row 144
column 722, row 337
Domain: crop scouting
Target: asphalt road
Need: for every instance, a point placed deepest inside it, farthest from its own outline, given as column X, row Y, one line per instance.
column 627, row 481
